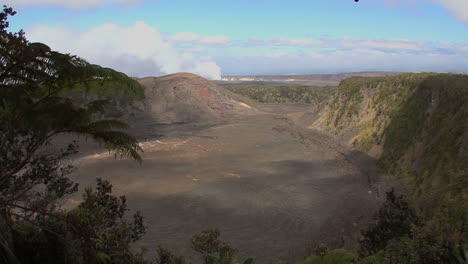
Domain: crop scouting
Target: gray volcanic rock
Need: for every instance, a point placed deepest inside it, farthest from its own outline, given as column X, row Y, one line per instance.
column 186, row 97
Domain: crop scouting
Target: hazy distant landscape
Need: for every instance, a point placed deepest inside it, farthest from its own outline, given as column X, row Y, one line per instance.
column 305, row 79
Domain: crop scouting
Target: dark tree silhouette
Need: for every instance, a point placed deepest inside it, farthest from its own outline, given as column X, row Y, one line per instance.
column 35, row 109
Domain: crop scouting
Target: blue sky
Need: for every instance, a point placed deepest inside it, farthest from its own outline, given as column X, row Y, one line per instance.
column 231, row 37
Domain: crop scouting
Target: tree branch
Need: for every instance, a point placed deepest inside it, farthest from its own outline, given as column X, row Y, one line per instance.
column 26, row 160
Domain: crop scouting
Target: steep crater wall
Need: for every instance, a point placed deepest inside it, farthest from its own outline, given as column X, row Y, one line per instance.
column 415, row 124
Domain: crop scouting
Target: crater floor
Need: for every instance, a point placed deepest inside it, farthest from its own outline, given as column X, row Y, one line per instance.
column 271, row 187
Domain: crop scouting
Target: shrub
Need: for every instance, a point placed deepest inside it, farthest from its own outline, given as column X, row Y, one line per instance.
column 394, row 219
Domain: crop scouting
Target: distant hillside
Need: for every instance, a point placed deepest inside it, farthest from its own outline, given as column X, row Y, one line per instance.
column 289, row 94
column 310, row 79
column 186, row 97
column 415, row 124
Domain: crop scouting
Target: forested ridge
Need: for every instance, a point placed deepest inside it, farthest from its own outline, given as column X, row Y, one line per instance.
column 283, row 94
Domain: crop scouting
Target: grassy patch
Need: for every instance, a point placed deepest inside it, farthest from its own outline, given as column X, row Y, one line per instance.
column 366, row 138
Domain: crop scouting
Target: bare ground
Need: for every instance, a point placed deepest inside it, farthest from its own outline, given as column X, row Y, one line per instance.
column 273, row 188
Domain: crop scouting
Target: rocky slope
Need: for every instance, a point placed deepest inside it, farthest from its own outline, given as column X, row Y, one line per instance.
column 415, row 124
column 186, row 97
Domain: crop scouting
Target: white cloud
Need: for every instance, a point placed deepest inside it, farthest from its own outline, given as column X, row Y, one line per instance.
column 360, row 59
column 347, row 55
column 74, row 4
column 195, row 38
column 381, row 44
column 458, row 7
column 185, row 37
column 138, row 50
column 276, row 54
column 141, row 50
column 296, row 42
column 394, row 44
column 218, row 39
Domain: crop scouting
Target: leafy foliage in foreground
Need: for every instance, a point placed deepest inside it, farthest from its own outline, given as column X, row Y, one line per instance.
column 207, row 244
column 338, row 256
column 283, row 94
column 35, row 109
column 213, row 250
column 99, row 224
column 401, row 235
column 165, row 256
column 394, row 219
column 398, row 234
column 97, row 231
column 341, row 256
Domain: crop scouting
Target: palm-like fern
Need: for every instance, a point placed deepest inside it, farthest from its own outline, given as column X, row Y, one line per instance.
column 34, row 107
column 34, row 81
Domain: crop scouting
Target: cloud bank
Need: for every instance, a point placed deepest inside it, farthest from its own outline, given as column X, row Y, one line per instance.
column 458, row 7
column 138, row 50
column 302, row 56
column 347, row 42
column 195, row 38
column 343, row 61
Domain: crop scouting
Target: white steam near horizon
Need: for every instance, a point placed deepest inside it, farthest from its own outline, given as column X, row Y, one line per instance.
column 138, row 50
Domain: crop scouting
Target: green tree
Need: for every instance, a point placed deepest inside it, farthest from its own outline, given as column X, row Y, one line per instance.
column 35, row 107
column 393, row 220
column 165, row 256
column 96, row 231
column 100, row 229
column 213, row 250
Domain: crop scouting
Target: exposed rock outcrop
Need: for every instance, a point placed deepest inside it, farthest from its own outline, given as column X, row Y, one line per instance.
column 186, row 97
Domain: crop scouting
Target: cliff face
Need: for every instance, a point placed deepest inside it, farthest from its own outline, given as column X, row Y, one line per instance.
column 415, row 124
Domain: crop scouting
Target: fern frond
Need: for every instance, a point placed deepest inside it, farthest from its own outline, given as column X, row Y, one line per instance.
column 35, row 82
column 122, row 144
column 104, row 125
